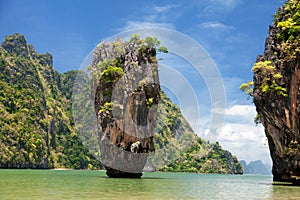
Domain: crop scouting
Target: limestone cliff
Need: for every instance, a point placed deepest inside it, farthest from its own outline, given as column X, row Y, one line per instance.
column 276, row 92
column 126, row 91
column 36, row 128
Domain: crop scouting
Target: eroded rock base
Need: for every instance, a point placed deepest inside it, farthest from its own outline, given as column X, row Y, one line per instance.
column 113, row 173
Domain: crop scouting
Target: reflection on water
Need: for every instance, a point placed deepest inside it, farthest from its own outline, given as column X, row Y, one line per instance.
column 53, row 184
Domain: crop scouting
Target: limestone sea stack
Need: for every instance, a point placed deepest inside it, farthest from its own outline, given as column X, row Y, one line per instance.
column 127, row 91
column 277, row 92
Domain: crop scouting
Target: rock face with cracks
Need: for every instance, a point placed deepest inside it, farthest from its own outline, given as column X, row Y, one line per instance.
column 277, row 92
column 127, row 91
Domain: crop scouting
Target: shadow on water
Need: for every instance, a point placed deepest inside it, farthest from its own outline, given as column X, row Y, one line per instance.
column 285, row 184
column 142, row 178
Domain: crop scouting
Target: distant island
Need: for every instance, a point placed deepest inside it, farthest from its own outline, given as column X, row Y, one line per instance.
column 256, row 167
column 38, row 131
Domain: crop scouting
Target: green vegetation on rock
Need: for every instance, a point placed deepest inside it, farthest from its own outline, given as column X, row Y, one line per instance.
column 205, row 158
column 36, row 121
column 288, row 21
column 185, row 151
column 271, row 78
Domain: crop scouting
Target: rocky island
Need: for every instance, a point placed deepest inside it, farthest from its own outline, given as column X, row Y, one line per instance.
column 276, row 92
column 127, row 92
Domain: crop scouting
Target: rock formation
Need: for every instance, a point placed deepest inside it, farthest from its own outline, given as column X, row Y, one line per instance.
column 36, row 129
column 126, row 85
column 276, row 92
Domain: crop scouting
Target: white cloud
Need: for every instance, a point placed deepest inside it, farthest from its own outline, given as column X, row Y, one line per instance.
column 145, row 24
column 240, row 110
column 216, row 26
column 241, row 114
column 245, row 141
column 163, row 13
column 240, row 135
column 219, row 8
column 164, row 9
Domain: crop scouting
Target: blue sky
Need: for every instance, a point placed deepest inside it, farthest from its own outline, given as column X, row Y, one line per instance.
column 232, row 32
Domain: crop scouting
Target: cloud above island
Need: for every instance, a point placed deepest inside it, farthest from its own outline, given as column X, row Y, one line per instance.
column 242, row 137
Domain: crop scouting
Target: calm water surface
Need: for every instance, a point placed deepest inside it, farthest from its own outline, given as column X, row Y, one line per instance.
column 64, row 184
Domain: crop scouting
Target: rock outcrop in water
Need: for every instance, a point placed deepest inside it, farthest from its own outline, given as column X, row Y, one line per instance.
column 276, row 92
column 126, row 91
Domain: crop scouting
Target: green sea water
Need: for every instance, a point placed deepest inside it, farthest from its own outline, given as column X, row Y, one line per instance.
column 73, row 184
